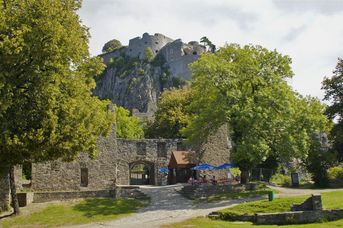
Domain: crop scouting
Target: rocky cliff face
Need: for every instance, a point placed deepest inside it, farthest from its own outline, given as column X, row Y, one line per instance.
column 135, row 82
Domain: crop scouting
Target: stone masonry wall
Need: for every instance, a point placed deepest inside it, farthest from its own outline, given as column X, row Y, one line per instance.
column 66, row 176
column 216, row 152
column 128, row 154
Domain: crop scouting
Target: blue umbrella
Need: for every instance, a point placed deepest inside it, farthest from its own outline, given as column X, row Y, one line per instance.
column 225, row 166
column 163, row 170
column 203, row 167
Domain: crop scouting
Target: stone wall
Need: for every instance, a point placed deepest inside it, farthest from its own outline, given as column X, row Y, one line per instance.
column 112, row 166
column 179, row 55
column 216, row 151
column 4, row 189
column 129, row 155
column 138, row 45
column 42, row 197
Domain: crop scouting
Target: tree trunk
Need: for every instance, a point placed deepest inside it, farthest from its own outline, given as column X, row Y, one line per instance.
column 244, row 176
column 14, row 198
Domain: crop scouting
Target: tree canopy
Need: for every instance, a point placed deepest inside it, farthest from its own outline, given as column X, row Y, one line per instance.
column 246, row 88
column 111, row 46
column 47, row 108
column 334, row 92
column 173, row 114
column 127, row 127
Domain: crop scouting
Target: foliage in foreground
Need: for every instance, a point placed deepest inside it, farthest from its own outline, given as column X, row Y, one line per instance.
column 173, row 114
column 246, row 88
column 281, row 180
column 333, row 92
column 127, row 127
column 47, row 110
column 86, row 211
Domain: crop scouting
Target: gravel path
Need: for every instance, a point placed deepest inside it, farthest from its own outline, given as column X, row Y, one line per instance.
column 167, row 206
column 299, row 191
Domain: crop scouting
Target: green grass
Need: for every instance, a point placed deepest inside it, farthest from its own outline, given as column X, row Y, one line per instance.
column 236, row 195
column 86, row 211
column 331, row 200
column 202, row 222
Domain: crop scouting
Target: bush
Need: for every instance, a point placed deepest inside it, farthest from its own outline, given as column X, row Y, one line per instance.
column 336, row 174
column 280, row 179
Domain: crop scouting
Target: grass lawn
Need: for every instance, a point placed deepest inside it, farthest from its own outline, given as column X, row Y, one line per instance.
column 331, row 200
column 85, row 211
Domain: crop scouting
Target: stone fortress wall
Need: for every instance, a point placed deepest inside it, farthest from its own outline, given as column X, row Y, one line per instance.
column 176, row 53
column 115, row 160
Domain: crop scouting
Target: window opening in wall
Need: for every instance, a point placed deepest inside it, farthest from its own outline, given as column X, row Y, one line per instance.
column 156, row 42
column 141, row 148
column 27, row 171
column 84, row 177
column 195, row 53
column 156, row 51
column 180, row 146
column 162, row 149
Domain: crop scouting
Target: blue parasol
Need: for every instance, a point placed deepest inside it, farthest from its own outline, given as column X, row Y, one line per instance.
column 225, row 166
column 204, row 167
column 163, row 170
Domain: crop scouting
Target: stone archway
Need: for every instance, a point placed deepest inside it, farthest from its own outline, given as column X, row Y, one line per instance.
column 142, row 173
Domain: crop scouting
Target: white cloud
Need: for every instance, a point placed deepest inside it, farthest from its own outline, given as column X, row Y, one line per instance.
column 307, row 31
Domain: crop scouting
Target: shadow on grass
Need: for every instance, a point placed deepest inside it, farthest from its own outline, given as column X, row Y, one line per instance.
column 107, row 206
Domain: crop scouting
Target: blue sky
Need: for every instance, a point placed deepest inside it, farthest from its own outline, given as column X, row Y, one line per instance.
column 309, row 31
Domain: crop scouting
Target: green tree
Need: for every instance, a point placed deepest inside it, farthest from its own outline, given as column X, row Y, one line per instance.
column 47, row 110
column 111, row 46
column 148, row 55
column 208, row 43
column 333, row 92
column 127, row 127
column 246, row 88
column 173, row 114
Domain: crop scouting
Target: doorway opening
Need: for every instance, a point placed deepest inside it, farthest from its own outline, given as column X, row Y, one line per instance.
column 142, row 173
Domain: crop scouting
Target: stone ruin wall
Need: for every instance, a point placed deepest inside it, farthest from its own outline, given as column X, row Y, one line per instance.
column 216, row 151
column 112, row 165
column 138, row 45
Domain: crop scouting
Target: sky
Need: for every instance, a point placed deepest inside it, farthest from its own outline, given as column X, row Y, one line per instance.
column 309, row 31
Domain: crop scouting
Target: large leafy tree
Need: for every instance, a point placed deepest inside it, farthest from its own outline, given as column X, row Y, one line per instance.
column 127, row 127
column 47, row 110
column 173, row 114
column 334, row 92
column 246, row 88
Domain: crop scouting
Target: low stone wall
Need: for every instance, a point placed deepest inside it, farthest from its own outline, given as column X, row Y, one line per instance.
column 282, row 218
column 41, row 197
column 206, row 190
column 298, row 217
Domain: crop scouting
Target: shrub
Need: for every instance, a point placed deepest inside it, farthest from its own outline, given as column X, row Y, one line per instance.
column 335, row 174
column 280, row 179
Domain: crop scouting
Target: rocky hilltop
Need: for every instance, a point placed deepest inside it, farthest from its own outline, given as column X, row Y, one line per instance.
column 136, row 74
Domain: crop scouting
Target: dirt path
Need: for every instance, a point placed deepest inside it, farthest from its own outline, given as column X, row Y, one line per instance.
column 167, row 206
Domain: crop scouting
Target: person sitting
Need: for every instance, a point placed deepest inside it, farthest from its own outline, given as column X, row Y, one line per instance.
column 214, row 181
